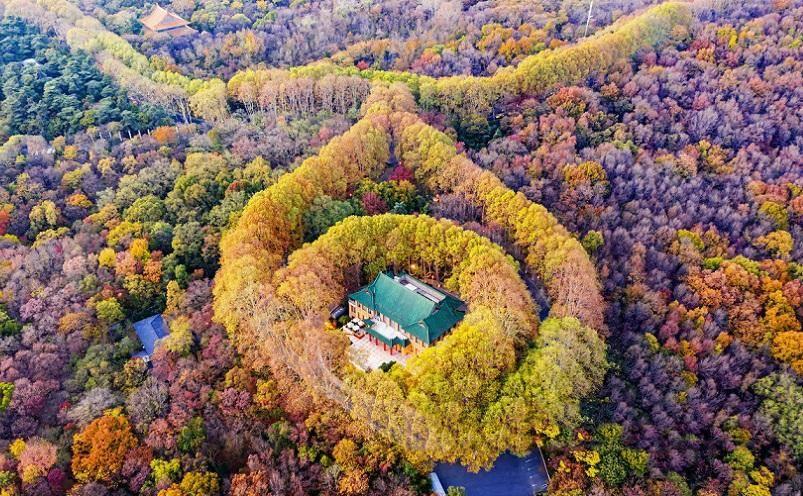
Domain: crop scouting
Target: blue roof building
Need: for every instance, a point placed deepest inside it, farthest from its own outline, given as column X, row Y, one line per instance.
column 510, row 476
column 150, row 331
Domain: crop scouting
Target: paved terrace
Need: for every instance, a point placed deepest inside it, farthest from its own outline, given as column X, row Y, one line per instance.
column 368, row 356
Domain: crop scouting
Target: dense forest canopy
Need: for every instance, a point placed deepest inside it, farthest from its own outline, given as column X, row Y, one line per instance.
column 434, row 38
column 618, row 200
column 48, row 91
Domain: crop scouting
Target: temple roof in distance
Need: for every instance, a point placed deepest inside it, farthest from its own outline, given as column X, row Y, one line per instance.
column 161, row 20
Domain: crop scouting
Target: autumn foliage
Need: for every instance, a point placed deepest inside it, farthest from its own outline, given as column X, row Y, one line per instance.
column 279, row 319
column 101, row 448
column 621, row 209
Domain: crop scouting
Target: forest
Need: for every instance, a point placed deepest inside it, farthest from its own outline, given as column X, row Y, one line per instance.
column 48, row 91
column 615, row 190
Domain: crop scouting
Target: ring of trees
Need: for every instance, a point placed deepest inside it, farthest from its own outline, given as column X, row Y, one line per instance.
column 494, row 384
column 436, row 405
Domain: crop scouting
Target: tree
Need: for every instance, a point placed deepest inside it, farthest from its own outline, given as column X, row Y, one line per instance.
column 741, row 459
column 139, row 249
column 107, row 258
column 109, row 311
column 147, row 403
column 191, row 435
column 188, row 243
column 165, row 135
column 146, row 209
column 36, row 460
column 209, row 102
column 92, row 404
column 782, row 405
column 787, row 347
column 200, row 484
column 44, row 216
column 566, row 365
column 165, row 471
column 324, row 213
column 777, row 243
column 346, row 454
column 64, row 92
column 100, row 449
column 8, row 326
column 180, row 339
column 617, row 462
column 373, row 204
column 353, row 482
column 6, row 393
column 593, row 241
column 402, row 173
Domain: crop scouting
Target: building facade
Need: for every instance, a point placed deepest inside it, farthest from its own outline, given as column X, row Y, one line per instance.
column 404, row 314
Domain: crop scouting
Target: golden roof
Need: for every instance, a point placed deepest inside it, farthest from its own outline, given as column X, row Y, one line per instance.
column 162, row 20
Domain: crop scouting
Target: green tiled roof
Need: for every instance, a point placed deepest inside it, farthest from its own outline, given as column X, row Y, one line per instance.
column 418, row 315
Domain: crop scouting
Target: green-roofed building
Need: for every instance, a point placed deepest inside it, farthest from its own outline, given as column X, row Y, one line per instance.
column 403, row 313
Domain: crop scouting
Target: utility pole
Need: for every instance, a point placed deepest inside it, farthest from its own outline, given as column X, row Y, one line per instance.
column 588, row 19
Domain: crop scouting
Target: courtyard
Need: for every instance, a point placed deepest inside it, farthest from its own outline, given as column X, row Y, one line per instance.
column 366, row 355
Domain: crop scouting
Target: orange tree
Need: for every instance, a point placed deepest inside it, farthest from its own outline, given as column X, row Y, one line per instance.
column 100, row 449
